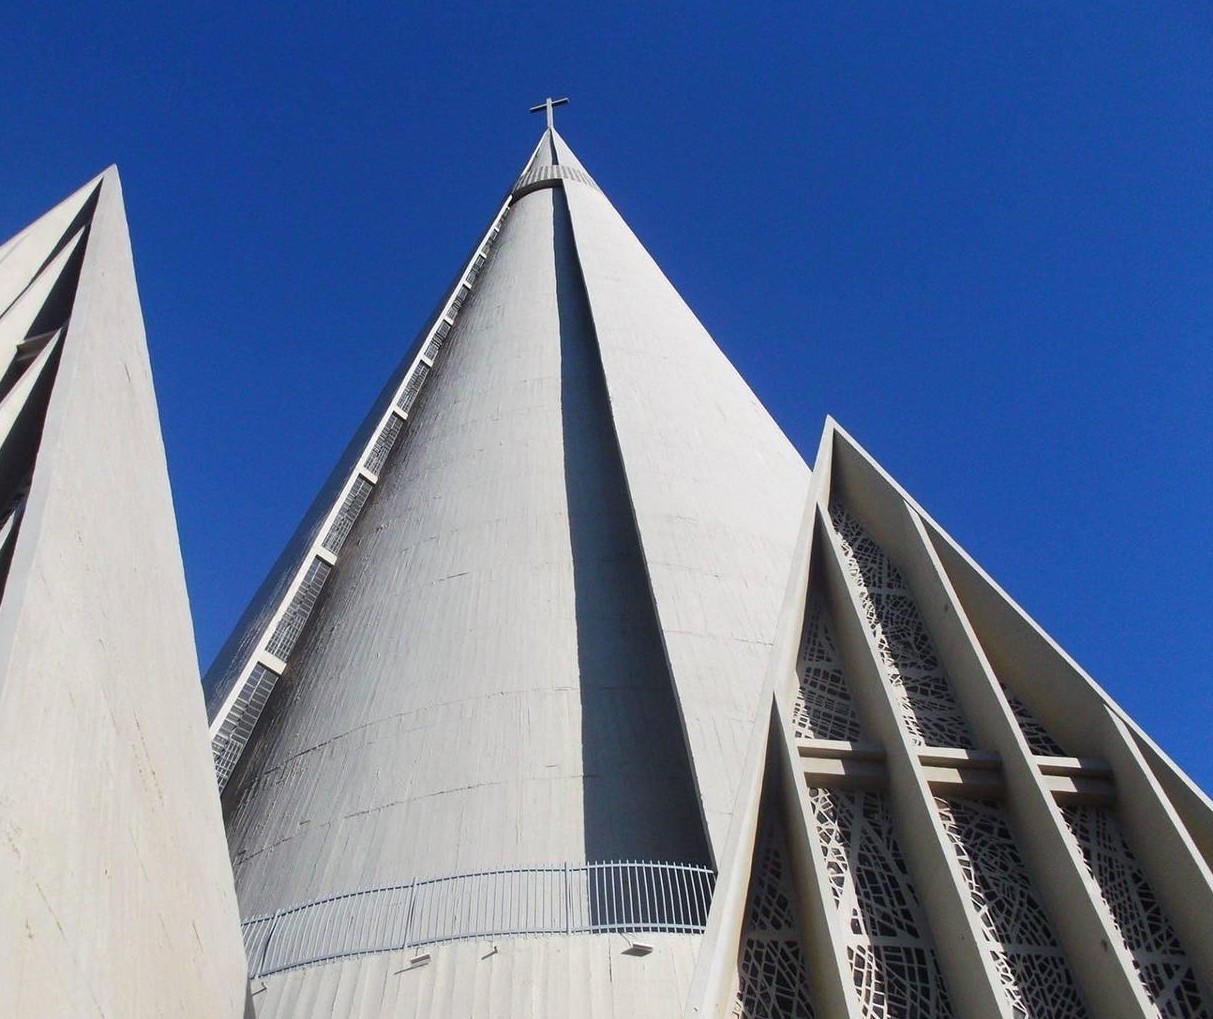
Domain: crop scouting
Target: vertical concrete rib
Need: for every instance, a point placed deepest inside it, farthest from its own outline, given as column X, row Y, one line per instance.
column 967, row 968
column 1090, row 724
column 1178, row 873
column 1085, row 929
column 717, row 491
column 825, row 942
column 630, row 729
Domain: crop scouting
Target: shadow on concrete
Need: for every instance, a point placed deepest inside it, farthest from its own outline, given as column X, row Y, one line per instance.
column 640, row 802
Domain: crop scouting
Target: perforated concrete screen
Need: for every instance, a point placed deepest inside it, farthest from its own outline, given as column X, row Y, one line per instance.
column 968, row 817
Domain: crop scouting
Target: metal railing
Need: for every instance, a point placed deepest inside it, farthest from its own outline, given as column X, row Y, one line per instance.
column 583, row 898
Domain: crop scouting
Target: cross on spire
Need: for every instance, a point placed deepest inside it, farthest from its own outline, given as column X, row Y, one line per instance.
column 547, row 105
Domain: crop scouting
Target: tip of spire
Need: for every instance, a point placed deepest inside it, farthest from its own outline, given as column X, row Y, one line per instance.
column 553, row 160
column 545, row 152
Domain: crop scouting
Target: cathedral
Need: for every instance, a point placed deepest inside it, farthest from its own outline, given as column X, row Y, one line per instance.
column 576, row 692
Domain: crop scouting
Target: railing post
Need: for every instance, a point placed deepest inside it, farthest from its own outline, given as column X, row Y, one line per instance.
column 568, row 901
column 408, row 916
column 265, row 947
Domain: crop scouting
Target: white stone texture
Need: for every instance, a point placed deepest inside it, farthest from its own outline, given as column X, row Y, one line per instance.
column 118, row 896
column 539, row 978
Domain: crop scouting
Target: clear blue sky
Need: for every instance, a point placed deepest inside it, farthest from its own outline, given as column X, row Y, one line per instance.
column 979, row 234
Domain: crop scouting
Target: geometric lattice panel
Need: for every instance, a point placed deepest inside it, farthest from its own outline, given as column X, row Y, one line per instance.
column 888, row 943
column 1161, row 963
column 384, row 441
column 823, row 707
column 1034, row 733
column 773, row 977
column 920, row 685
column 1036, row 979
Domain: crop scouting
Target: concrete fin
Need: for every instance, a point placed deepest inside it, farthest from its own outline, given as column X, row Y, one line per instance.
column 21, row 413
column 564, row 156
column 717, row 490
column 18, row 320
column 119, row 898
column 8, row 538
column 772, row 963
column 23, row 256
column 630, row 723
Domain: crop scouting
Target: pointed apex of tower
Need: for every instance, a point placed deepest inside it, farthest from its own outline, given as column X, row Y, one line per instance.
column 552, row 161
column 564, row 155
column 545, row 152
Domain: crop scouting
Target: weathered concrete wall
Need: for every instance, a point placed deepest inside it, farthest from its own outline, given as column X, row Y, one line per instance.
column 540, row 978
column 545, row 637
column 118, row 897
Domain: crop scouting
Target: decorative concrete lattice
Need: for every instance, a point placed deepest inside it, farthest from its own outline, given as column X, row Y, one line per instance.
column 920, row 685
column 773, row 977
column 1159, row 958
column 823, row 708
column 1031, row 967
column 888, row 943
column 1037, row 736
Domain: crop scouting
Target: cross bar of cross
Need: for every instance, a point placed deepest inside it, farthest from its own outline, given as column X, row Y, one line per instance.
column 547, row 105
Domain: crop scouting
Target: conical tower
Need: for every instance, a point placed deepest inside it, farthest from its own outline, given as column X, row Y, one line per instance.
column 117, row 894
column 503, row 680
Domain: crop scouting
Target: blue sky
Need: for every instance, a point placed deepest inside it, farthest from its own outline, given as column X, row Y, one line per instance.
column 979, row 234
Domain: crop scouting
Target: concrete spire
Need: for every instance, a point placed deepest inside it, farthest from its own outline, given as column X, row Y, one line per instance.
column 540, row 638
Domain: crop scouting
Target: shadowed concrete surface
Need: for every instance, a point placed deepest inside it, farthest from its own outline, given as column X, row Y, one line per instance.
column 639, row 794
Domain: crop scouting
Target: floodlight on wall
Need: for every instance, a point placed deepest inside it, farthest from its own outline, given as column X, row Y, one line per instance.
column 636, row 947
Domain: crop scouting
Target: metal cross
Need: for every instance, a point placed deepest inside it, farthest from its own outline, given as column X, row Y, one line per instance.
column 547, row 105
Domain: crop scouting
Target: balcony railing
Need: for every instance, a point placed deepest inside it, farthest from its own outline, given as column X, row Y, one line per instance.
column 560, row 899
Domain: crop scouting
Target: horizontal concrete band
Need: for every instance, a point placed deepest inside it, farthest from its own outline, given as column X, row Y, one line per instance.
column 549, row 176
column 579, row 898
